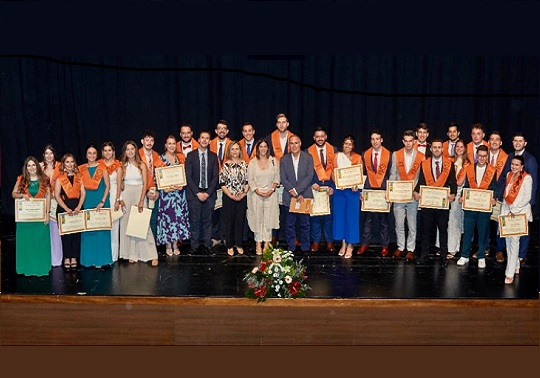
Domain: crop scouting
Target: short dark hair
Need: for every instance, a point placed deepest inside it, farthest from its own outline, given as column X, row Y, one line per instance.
column 482, row 148
column 320, row 128
column 477, row 125
column 452, row 124
column 148, row 133
column 518, row 134
column 408, row 132
column 422, row 125
column 375, row 131
column 222, row 121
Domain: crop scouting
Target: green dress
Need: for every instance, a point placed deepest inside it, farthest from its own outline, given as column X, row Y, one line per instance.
column 33, row 244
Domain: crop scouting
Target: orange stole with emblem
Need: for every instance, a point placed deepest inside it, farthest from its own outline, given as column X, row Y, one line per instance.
column 486, row 180
column 111, row 168
column 322, row 173
column 72, row 191
column 428, row 175
column 92, row 182
column 461, row 174
column 42, row 192
column 514, row 189
column 501, row 161
column 276, row 144
column 415, row 167
column 245, row 156
column 376, row 178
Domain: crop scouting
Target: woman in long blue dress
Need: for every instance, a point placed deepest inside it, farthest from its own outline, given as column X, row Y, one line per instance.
column 95, row 245
column 33, row 239
column 173, row 216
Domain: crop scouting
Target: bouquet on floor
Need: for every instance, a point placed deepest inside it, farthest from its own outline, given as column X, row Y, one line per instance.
column 278, row 275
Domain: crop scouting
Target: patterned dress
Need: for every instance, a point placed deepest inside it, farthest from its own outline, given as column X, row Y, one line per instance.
column 173, row 215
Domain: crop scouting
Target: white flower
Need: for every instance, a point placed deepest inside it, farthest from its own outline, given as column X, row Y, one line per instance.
column 288, row 279
column 255, row 270
column 275, row 275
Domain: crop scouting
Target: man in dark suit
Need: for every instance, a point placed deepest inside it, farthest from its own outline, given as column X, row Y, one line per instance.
column 437, row 172
column 531, row 167
column 202, row 176
column 296, row 172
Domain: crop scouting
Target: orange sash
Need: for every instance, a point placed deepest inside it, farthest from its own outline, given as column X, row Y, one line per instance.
column 400, row 161
column 42, row 192
column 214, row 148
column 460, row 176
column 322, row 173
column 180, row 150
column 445, row 153
column 514, row 190
column 428, row 175
column 72, row 191
column 92, row 182
column 470, row 149
column 376, row 178
column 111, row 168
column 245, row 156
column 156, row 162
column 501, row 161
column 486, row 180
column 276, row 144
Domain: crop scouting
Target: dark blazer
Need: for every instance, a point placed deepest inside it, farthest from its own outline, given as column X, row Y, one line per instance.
column 193, row 174
column 531, row 167
column 288, row 178
column 450, row 181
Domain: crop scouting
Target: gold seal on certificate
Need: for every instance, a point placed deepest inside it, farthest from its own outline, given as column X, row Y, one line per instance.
column 303, row 207
column 434, row 197
column 321, row 202
column 170, row 175
column 98, row 220
column 400, row 191
column 496, row 211
column 375, row 200
column 513, row 226
column 347, row 177
column 68, row 224
column 219, row 199
column 477, row 200
column 32, row 210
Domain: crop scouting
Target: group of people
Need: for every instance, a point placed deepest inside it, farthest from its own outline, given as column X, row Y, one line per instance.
column 259, row 179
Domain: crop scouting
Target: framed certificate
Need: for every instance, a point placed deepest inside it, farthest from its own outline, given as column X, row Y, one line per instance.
column 69, row 224
column 434, row 197
column 138, row 223
column 303, row 207
column 321, row 203
column 98, row 220
column 219, row 199
column 513, row 226
column 170, row 175
column 496, row 211
column 347, row 177
column 400, row 191
column 375, row 201
column 32, row 210
column 477, row 200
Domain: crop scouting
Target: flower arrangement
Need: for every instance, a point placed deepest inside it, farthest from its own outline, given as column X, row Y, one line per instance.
column 277, row 275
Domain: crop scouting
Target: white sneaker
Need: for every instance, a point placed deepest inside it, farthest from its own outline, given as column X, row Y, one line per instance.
column 462, row 261
column 481, row 263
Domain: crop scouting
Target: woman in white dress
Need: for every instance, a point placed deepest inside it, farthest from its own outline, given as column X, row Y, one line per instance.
column 516, row 200
column 134, row 194
column 262, row 199
column 115, row 171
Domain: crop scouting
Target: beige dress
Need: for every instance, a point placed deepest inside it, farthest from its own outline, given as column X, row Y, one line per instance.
column 262, row 213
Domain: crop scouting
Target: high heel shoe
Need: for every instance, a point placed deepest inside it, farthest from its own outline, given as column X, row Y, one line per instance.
column 67, row 265
column 240, row 250
column 342, row 249
column 230, row 251
column 258, row 249
column 350, row 249
column 508, row 280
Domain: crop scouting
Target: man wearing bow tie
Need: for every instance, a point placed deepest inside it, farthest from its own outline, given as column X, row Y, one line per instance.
column 422, row 133
column 186, row 144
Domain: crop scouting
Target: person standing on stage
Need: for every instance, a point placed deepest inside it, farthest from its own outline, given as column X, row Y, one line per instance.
column 186, row 144
column 70, row 195
column 421, row 144
column 202, row 176
column 516, row 200
column 377, row 160
column 406, row 164
column 322, row 153
column 33, row 239
column 449, row 146
column 438, row 172
column 477, row 136
column 247, row 143
column 346, row 211
column 296, row 172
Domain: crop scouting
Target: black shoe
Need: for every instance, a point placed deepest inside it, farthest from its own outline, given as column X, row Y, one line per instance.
column 420, row 261
column 306, row 253
column 444, row 263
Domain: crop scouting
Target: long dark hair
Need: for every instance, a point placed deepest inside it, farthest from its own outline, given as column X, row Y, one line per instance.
column 258, row 143
column 521, row 174
column 43, row 179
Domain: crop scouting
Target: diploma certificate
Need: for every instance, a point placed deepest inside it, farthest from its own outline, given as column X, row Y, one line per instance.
column 219, row 199
column 171, row 175
column 477, row 200
column 347, row 177
column 375, row 200
column 98, row 220
column 321, row 202
column 69, row 224
column 32, row 210
column 434, row 197
column 118, row 214
column 513, row 226
column 400, row 191
column 138, row 223
column 496, row 211
column 303, row 207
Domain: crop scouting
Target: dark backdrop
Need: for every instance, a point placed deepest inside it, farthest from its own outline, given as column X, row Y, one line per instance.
column 75, row 100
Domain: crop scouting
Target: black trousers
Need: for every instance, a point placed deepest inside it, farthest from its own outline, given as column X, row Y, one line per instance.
column 200, row 221
column 433, row 220
column 233, row 214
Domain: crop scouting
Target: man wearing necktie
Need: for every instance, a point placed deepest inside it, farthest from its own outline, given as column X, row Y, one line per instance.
column 247, row 144
column 186, row 144
column 322, row 153
column 452, row 131
column 219, row 145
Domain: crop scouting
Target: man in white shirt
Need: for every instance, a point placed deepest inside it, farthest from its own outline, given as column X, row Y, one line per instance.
column 477, row 136
column 247, row 143
column 452, row 131
column 186, row 144
column 422, row 133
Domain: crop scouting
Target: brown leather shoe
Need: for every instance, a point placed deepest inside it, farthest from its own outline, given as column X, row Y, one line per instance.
column 384, row 251
column 499, row 257
column 397, row 254
column 330, row 247
column 314, row 247
column 409, row 256
column 475, row 255
column 362, row 249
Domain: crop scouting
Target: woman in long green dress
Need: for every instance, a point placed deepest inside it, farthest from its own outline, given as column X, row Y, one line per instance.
column 33, row 239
